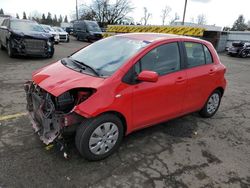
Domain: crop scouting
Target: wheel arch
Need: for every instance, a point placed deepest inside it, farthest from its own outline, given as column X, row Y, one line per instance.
column 220, row 89
column 119, row 115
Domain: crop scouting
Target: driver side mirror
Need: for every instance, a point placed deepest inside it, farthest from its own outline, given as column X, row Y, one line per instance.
column 148, row 76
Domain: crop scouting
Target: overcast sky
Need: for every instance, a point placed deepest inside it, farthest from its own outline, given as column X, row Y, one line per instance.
column 219, row 12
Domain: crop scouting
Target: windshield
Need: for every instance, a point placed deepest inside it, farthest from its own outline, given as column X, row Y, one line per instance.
column 58, row 29
column 47, row 28
column 107, row 55
column 93, row 26
column 25, row 26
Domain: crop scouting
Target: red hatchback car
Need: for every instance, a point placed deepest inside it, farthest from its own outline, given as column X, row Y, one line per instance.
column 121, row 84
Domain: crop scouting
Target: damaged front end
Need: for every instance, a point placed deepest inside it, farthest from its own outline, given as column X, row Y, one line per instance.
column 32, row 45
column 53, row 116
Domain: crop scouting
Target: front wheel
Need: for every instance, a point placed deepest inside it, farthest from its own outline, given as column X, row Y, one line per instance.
column 99, row 137
column 9, row 49
column 1, row 46
column 212, row 104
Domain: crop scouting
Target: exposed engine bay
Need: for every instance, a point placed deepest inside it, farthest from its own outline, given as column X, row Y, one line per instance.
column 51, row 115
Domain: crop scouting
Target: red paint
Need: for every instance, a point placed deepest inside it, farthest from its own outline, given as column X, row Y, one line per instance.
column 145, row 103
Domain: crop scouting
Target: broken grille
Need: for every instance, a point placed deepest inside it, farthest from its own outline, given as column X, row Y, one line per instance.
column 35, row 46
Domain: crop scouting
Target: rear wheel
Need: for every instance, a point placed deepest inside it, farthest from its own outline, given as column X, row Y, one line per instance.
column 212, row 104
column 99, row 137
column 244, row 54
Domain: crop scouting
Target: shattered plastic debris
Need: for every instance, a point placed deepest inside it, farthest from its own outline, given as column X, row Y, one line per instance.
column 49, row 147
column 68, row 178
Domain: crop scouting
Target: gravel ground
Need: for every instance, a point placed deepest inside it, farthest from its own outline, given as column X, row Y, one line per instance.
column 185, row 152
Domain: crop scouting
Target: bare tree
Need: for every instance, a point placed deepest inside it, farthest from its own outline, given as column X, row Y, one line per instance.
column 201, row 19
column 192, row 20
column 175, row 18
column 146, row 16
column 106, row 12
column 165, row 13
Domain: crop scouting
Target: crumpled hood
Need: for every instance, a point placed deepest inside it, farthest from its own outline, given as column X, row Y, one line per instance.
column 32, row 34
column 57, row 79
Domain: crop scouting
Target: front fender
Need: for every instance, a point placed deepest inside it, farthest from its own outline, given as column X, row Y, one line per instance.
column 106, row 100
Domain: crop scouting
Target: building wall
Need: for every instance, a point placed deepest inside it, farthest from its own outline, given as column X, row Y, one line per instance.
column 207, row 27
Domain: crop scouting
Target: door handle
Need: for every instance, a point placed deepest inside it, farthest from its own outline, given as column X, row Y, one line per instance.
column 211, row 71
column 180, row 80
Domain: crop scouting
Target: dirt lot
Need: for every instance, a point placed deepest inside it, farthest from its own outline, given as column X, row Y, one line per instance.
column 186, row 152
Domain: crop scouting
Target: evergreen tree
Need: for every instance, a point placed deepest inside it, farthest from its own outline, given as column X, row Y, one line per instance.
column 24, row 16
column 55, row 22
column 1, row 11
column 66, row 19
column 60, row 19
column 43, row 21
column 49, row 19
column 239, row 24
column 17, row 16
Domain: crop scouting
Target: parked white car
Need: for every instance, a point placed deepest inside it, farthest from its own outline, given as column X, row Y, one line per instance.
column 64, row 36
column 50, row 30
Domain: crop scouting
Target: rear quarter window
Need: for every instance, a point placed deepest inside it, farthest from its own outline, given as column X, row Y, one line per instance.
column 208, row 55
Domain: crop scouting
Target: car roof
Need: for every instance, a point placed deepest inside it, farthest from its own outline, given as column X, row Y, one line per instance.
column 22, row 20
column 151, row 37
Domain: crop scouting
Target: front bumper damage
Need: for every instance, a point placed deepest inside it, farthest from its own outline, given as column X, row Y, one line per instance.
column 47, row 121
column 32, row 47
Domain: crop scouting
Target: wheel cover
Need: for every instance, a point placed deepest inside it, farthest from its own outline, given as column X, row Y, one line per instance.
column 103, row 138
column 213, row 103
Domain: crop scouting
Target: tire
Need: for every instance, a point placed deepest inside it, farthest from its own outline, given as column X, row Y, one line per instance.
column 67, row 39
column 50, row 55
column 1, row 46
column 77, row 37
column 105, row 131
column 9, row 49
column 89, row 40
column 244, row 54
column 212, row 105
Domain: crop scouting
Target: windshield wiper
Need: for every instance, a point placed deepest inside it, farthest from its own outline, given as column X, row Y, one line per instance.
column 83, row 65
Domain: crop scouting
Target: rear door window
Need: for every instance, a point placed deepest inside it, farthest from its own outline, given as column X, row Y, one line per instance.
column 195, row 54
